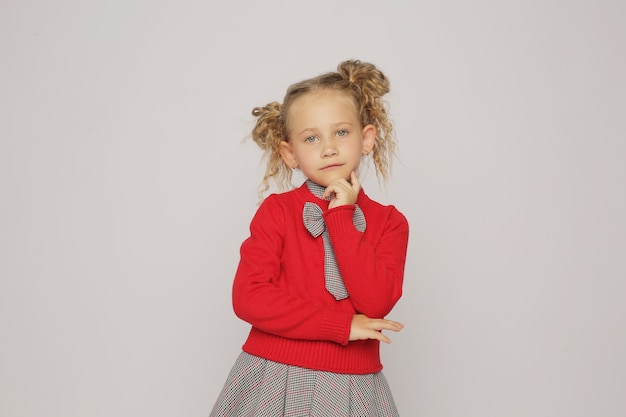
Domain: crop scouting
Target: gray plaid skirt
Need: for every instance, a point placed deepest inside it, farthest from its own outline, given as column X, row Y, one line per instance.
column 262, row 388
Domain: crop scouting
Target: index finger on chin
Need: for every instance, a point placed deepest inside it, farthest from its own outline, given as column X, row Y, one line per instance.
column 354, row 181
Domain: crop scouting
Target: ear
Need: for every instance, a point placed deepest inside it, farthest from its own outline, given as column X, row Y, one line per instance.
column 288, row 155
column 369, row 139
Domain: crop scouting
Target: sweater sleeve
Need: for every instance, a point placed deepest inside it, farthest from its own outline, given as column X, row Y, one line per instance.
column 371, row 265
column 259, row 300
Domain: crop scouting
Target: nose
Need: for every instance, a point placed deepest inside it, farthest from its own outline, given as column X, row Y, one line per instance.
column 329, row 148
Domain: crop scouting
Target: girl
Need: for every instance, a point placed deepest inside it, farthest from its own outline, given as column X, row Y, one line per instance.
column 323, row 264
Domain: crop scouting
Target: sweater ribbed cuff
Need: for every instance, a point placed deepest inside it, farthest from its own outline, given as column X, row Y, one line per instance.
column 339, row 219
column 336, row 326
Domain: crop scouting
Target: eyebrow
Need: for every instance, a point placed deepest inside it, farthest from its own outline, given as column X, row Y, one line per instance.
column 306, row 130
column 334, row 126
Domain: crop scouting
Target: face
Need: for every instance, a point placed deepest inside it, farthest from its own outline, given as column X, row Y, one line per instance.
column 326, row 139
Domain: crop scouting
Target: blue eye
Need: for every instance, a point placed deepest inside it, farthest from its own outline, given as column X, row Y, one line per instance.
column 310, row 139
column 342, row 132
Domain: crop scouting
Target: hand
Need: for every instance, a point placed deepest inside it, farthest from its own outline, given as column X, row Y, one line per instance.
column 363, row 328
column 343, row 192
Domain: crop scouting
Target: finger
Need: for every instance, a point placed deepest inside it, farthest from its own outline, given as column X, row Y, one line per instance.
column 382, row 324
column 354, row 180
column 397, row 325
column 330, row 189
column 383, row 338
column 335, row 187
column 328, row 192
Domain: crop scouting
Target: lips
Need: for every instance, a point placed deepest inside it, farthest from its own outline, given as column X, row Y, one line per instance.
column 331, row 166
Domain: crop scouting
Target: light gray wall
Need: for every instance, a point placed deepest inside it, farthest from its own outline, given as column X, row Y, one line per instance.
column 126, row 189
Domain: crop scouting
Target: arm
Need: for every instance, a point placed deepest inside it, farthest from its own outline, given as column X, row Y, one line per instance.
column 371, row 265
column 259, row 300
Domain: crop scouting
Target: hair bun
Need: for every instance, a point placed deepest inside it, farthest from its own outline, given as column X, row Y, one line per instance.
column 268, row 125
column 365, row 76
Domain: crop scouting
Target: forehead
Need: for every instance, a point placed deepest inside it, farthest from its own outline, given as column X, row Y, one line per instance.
column 324, row 105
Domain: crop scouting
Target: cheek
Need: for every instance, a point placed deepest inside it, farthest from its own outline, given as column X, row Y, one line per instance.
column 357, row 149
column 302, row 157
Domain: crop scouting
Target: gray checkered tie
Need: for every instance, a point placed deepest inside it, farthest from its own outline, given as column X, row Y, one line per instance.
column 314, row 223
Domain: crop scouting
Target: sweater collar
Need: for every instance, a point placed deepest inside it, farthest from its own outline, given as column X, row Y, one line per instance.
column 316, row 189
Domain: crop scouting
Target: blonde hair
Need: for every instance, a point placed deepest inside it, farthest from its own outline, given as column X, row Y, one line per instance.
column 362, row 82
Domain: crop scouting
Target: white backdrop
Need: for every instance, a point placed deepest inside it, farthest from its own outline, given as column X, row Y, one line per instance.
column 127, row 186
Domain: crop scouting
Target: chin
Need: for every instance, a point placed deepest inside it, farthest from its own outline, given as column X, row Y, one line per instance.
column 338, row 177
column 325, row 180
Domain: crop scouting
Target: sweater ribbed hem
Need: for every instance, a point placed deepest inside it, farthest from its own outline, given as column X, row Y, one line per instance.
column 360, row 357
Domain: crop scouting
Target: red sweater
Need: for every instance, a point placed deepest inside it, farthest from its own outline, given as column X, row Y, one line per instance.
column 279, row 285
